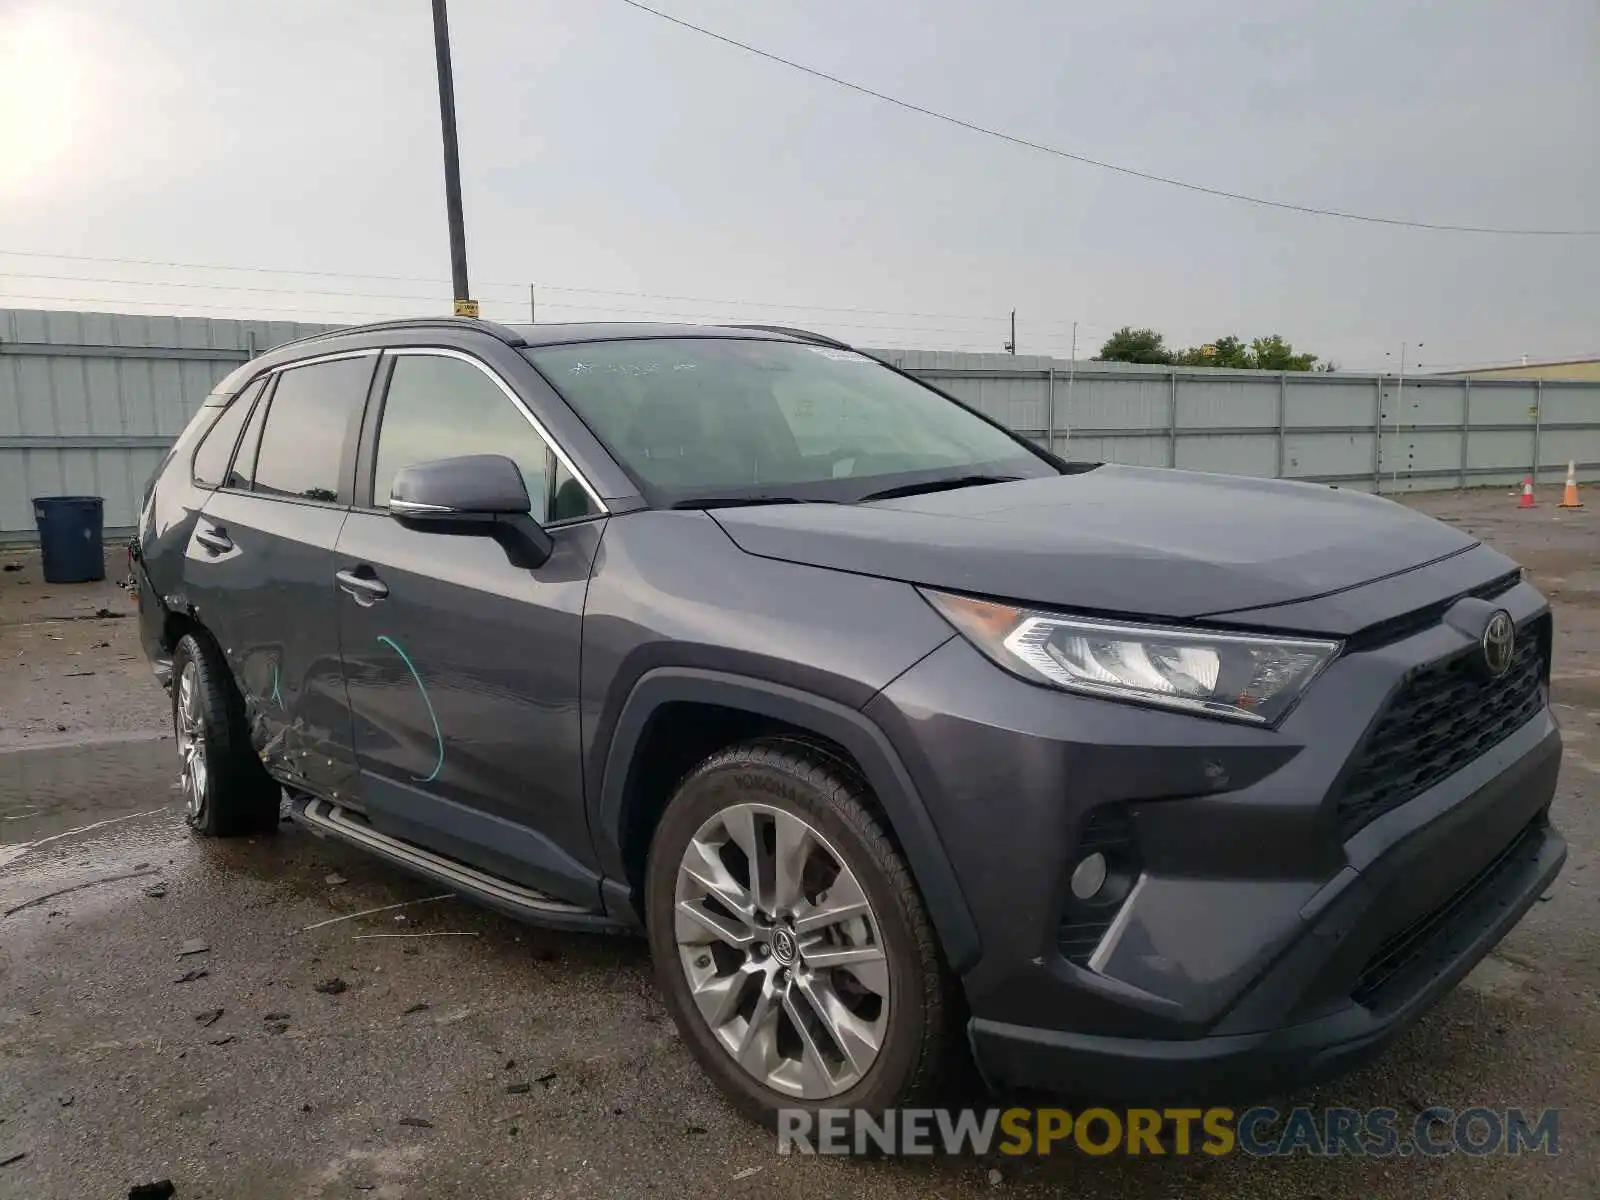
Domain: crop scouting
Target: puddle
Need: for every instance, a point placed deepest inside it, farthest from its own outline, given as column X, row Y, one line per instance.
column 73, row 814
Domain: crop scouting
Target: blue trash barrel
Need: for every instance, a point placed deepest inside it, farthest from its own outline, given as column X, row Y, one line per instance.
column 71, row 537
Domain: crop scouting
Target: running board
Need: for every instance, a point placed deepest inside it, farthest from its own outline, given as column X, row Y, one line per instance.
column 322, row 816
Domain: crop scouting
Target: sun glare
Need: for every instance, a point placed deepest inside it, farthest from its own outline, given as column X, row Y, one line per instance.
column 42, row 92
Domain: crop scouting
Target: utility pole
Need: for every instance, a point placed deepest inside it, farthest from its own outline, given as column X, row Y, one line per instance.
column 465, row 306
column 1011, row 346
column 533, row 306
column 1072, row 369
column 1399, row 395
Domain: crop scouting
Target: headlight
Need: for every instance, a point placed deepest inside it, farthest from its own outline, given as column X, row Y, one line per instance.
column 1242, row 677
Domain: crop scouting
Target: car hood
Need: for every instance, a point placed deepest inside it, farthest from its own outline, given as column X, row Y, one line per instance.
column 1113, row 539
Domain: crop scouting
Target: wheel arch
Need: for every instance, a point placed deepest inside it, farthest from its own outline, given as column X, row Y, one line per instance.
column 614, row 808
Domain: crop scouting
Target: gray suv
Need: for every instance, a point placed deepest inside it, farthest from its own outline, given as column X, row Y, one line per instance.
column 903, row 741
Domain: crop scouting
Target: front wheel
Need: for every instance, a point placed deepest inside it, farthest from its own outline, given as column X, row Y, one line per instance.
column 790, row 940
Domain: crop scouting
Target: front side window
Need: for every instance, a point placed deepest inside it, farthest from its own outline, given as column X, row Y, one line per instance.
column 441, row 407
column 307, row 425
column 703, row 417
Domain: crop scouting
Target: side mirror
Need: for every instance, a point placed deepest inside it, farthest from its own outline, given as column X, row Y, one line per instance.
column 480, row 494
column 472, row 487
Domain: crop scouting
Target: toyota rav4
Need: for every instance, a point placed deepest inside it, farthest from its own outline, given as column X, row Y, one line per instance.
column 902, row 740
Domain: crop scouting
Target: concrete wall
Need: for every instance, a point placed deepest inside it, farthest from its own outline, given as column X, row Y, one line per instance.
column 90, row 401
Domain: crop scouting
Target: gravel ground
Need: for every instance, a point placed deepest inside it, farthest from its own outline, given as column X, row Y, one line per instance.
column 506, row 1061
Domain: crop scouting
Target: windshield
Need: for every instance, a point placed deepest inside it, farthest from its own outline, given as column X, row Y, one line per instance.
column 734, row 419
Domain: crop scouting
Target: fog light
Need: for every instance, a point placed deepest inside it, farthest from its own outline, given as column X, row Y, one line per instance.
column 1089, row 876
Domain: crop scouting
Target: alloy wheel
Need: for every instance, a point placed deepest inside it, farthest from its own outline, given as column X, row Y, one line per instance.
column 191, row 737
column 782, row 951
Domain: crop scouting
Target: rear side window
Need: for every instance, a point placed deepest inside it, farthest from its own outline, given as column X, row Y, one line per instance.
column 308, row 424
column 216, row 448
column 440, row 407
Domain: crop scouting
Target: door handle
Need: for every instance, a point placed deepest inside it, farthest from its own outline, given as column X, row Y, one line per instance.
column 359, row 582
column 214, row 538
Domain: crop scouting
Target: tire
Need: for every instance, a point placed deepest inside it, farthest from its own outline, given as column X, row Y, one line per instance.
column 227, row 792
column 897, row 1010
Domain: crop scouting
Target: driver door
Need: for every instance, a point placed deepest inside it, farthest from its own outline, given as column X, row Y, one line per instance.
column 462, row 668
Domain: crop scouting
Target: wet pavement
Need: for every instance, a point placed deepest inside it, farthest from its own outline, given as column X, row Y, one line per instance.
column 467, row 1055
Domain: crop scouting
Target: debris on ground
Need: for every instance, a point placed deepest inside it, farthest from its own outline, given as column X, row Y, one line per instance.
column 210, row 1017
column 9, row 567
column 156, row 891
column 13, row 1158
column 335, row 879
column 224, row 1040
column 416, row 1008
column 191, row 976
column 332, row 987
column 66, row 1101
column 381, row 908
column 192, row 946
column 77, row 887
column 417, row 1122
column 277, row 1027
column 746, row 1173
column 160, row 1190
column 546, row 1078
column 275, row 1016
column 518, row 1089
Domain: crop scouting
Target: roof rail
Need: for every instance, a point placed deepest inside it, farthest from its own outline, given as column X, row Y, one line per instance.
column 494, row 329
column 805, row 335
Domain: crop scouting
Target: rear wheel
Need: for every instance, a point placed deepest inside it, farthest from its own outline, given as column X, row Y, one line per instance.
column 789, row 938
column 226, row 791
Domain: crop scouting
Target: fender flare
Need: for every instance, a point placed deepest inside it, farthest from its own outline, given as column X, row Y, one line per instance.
column 877, row 758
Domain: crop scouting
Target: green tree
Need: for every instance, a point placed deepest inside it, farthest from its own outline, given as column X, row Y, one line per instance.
column 1135, row 346
column 1274, row 354
column 1228, row 351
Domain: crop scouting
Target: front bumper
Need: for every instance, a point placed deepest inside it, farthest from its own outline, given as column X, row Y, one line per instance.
column 1241, row 1066
column 1265, row 944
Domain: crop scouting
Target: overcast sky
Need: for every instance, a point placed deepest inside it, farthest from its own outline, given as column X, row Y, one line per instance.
column 605, row 149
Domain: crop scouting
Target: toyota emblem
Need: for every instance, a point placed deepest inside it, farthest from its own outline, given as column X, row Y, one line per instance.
column 1499, row 644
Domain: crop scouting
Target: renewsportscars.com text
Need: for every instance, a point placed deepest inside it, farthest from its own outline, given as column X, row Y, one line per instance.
column 1257, row 1132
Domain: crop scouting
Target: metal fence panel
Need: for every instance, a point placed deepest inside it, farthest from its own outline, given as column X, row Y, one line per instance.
column 89, row 401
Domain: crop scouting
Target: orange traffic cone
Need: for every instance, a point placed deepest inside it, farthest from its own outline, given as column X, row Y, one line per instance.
column 1527, row 493
column 1569, row 498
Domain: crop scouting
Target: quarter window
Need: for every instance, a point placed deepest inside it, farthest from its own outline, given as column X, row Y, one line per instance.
column 216, row 448
column 243, row 470
column 308, row 424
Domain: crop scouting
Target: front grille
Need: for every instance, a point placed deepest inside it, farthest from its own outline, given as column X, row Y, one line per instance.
column 1432, row 932
column 1442, row 718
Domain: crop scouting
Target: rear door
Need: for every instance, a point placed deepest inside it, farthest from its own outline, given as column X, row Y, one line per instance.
column 461, row 667
column 260, row 566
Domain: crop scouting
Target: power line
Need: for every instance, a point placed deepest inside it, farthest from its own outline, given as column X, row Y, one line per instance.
column 1094, row 162
column 437, row 300
column 520, row 287
column 237, row 312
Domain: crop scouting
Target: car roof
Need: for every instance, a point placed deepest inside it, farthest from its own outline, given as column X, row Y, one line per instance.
column 383, row 334
column 568, row 333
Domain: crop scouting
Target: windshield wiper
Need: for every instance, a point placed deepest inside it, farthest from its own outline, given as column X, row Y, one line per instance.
column 937, row 485
column 737, row 501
